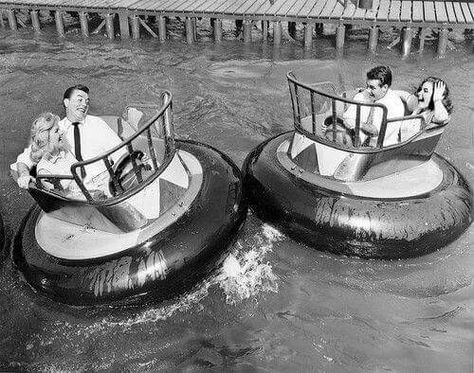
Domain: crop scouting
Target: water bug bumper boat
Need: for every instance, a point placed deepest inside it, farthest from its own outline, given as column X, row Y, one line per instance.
column 353, row 195
column 171, row 208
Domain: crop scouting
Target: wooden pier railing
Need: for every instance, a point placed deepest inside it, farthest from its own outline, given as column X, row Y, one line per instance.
column 132, row 15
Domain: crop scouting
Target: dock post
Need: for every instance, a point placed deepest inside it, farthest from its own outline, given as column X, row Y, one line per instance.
column 373, row 38
column 247, row 31
column 135, row 27
column 265, row 30
column 124, row 26
column 84, row 24
column 35, row 21
column 217, row 30
column 442, row 42
column 161, row 28
column 308, row 36
column 109, row 25
column 407, row 39
column 276, row 33
column 189, row 30
column 12, row 19
column 340, row 35
column 2, row 24
column 194, row 23
column 58, row 16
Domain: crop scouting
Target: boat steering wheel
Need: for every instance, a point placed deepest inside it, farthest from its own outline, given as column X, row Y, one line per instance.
column 129, row 172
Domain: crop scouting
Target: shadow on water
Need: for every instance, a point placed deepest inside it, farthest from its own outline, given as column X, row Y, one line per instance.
column 274, row 305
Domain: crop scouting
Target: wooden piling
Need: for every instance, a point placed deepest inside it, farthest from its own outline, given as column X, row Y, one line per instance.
column 35, row 21
column 161, row 28
column 2, row 24
column 373, row 38
column 421, row 39
column 194, row 24
column 58, row 16
column 135, row 27
column 12, row 19
column 340, row 36
column 189, row 30
column 442, row 42
column 124, row 26
column 308, row 36
column 217, row 30
column 247, row 31
column 276, row 33
column 84, row 24
column 109, row 26
column 265, row 30
column 407, row 39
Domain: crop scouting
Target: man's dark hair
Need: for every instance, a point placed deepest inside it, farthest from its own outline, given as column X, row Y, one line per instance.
column 382, row 73
column 78, row 87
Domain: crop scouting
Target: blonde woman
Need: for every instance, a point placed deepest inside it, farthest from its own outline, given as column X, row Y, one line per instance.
column 52, row 154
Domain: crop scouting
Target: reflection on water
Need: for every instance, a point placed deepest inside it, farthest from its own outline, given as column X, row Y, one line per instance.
column 275, row 305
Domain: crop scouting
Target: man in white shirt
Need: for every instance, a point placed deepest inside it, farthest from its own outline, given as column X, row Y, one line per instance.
column 96, row 137
column 379, row 80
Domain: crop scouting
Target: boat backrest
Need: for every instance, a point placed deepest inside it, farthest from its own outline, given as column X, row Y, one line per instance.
column 147, row 131
column 321, row 114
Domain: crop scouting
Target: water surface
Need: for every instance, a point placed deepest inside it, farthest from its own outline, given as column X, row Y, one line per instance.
column 275, row 305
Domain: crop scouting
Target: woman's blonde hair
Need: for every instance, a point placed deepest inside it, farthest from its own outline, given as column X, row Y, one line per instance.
column 40, row 136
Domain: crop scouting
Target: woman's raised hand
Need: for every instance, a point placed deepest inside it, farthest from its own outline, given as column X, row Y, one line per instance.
column 438, row 90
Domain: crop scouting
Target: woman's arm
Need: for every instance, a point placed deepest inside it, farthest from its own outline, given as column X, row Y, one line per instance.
column 441, row 115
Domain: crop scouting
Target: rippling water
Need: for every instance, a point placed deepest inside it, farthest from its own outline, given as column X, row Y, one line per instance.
column 275, row 305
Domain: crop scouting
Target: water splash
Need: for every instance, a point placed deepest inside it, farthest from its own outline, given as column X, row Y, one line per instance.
column 244, row 274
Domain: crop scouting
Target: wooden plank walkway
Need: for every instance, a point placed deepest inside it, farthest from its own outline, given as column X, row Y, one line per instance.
column 458, row 14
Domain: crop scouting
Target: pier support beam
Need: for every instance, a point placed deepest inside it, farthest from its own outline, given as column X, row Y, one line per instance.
column 124, row 26
column 161, row 28
column 189, row 30
column 194, row 23
column 442, row 42
column 35, row 21
column 217, row 30
column 84, row 24
column 109, row 26
column 308, row 36
column 2, row 24
column 340, row 36
column 407, row 39
column 135, row 27
column 12, row 20
column 265, row 30
column 276, row 33
column 247, row 31
column 373, row 39
column 58, row 17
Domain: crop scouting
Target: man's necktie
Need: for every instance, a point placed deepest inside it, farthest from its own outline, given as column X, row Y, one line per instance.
column 77, row 147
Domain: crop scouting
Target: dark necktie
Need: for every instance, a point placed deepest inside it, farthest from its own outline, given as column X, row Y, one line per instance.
column 77, row 147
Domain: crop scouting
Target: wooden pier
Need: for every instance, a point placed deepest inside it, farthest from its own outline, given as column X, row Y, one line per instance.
column 131, row 17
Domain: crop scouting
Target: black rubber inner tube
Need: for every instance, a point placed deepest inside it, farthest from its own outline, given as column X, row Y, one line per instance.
column 192, row 247
column 355, row 226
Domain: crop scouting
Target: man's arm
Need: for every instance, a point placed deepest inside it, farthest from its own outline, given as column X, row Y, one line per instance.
column 350, row 114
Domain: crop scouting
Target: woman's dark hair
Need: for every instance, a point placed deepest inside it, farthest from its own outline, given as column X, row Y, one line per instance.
column 77, row 87
column 446, row 99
